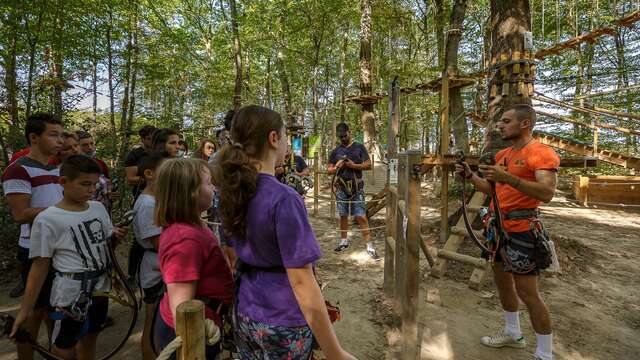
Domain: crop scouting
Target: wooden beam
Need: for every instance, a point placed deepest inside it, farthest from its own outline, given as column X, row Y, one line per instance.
column 595, row 111
column 590, row 36
column 605, row 93
column 590, row 126
column 190, row 327
column 465, row 259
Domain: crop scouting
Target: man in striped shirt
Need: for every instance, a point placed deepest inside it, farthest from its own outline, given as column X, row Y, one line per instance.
column 30, row 186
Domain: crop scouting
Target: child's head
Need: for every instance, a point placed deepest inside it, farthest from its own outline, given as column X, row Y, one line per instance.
column 205, row 149
column 257, row 134
column 78, row 176
column 183, row 191
column 87, row 145
column 44, row 132
column 148, row 165
column 166, row 139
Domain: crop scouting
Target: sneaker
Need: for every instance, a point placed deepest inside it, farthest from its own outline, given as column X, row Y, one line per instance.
column 341, row 247
column 17, row 290
column 502, row 339
column 373, row 254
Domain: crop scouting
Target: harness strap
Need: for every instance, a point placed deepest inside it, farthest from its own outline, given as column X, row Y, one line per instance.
column 521, row 214
column 82, row 276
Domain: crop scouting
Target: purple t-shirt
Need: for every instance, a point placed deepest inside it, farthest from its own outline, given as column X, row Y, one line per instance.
column 278, row 234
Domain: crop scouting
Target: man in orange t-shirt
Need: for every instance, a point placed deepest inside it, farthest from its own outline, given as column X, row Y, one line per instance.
column 524, row 175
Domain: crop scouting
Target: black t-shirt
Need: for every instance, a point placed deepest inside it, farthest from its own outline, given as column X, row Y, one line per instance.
column 356, row 152
column 132, row 159
column 299, row 163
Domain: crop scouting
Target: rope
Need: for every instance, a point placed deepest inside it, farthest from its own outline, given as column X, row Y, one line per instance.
column 343, row 201
column 212, row 335
column 339, row 231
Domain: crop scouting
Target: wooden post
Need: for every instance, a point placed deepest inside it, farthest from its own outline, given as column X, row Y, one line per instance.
column 316, row 183
column 332, row 205
column 411, row 272
column 389, row 251
column 373, row 169
column 595, row 137
column 392, row 197
column 190, row 327
column 584, row 188
column 399, row 231
column 444, row 149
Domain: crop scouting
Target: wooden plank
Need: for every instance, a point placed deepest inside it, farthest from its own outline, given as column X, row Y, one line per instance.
column 190, row 327
column 465, row 259
column 411, row 272
column 454, row 241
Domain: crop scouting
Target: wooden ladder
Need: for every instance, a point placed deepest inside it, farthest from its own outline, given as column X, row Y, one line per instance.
column 450, row 249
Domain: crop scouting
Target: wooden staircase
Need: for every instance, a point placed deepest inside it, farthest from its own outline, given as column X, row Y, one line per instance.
column 573, row 146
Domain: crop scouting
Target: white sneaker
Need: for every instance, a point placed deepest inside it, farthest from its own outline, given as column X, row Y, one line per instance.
column 503, row 339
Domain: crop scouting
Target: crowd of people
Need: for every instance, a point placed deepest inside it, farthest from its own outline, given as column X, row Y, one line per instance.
column 62, row 195
column 220, row 226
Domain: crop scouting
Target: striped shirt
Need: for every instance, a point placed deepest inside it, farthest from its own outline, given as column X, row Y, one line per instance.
column 27, row 176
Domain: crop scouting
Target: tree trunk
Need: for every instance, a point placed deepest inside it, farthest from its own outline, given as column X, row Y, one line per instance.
column 94, row 87
column 33, row 42
column 126, row 83
column 57, row 73
column 237, row 55
column 368, row 117
column 456, row 107
column 286, row 92
column 509, row 21
column 10, row 77
column 343, row 83
column 267, row 86
column 112, row 105
column 439, row 30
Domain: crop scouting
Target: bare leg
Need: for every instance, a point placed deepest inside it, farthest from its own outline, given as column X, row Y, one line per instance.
column 86, row 347
column 364, row 227
column 527, row 290
column 67, row 354
column 506, row 288
column 344, row 226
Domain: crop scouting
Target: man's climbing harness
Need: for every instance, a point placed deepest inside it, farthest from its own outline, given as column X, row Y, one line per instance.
column 78, row 310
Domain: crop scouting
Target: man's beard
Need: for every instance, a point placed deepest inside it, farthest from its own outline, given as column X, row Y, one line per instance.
column 510, row 137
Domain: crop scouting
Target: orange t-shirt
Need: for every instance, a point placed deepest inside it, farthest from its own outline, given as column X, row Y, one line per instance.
column 523, row 163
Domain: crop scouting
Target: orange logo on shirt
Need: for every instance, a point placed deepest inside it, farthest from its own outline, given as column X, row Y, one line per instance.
column 520, row 162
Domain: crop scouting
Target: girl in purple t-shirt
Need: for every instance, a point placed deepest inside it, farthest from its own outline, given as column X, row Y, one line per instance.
column 279, row 307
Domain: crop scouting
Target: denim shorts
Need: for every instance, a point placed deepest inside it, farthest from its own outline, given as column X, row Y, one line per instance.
column 350, row 205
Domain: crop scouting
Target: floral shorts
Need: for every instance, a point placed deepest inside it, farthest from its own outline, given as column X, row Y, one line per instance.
column 258, row 341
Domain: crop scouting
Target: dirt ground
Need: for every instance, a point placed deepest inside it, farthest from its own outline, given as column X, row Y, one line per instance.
column 594, row 302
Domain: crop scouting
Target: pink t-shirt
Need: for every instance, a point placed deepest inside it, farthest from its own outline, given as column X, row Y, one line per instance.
column 192, row 253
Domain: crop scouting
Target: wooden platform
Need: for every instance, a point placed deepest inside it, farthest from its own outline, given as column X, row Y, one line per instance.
column 622, row 190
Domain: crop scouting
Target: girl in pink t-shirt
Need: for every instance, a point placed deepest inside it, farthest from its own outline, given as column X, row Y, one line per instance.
column 191, row 260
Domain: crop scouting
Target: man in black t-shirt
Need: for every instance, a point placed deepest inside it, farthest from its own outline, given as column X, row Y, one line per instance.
column 298, row 165
column 347, row 161
column 131, row 161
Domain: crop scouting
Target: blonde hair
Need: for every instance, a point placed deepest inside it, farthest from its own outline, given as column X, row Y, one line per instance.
column 177, row 186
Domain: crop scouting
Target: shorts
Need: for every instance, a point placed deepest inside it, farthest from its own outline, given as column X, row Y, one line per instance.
column 163, row 334
column 520, row 256
column 153, row 294
column 67, row 332
column 262, row 341
column 25, row 266
column 350, row 205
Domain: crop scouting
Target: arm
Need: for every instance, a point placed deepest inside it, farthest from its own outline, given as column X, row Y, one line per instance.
column 311, row 302
column 366, row 165
column 21, row 210
column 543, row 188
column 37, row 276
column 480, row 184
column 131, row 173
column 180, row 292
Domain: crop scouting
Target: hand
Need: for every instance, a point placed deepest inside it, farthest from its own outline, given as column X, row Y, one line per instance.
column 349, row 164
column 120, row 233
column 340, row 164
column 463, row 170
column 22, row 316
column 494, row 173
